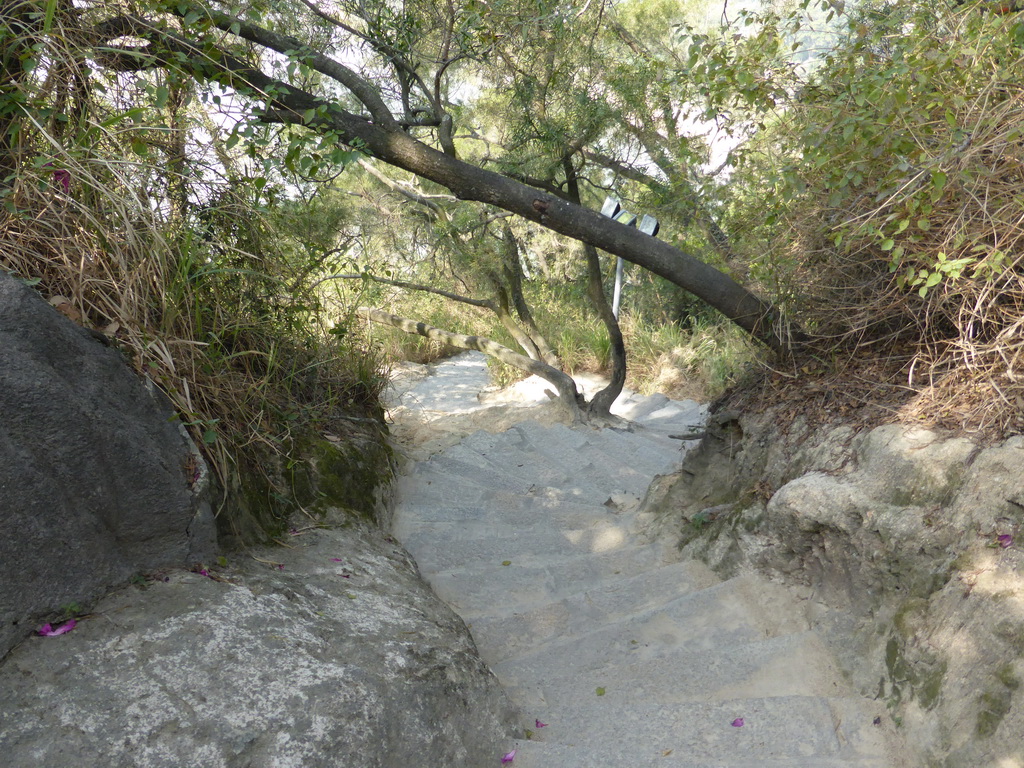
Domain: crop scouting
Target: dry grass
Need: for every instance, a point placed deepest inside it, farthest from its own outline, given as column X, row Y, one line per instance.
column 954, row 354
column 244, row 386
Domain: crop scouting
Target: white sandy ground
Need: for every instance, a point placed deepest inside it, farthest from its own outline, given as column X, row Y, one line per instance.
column 630, row 657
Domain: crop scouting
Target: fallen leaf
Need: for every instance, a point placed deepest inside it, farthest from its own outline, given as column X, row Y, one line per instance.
column 506, row 562
column 48, row 631
column 600, row 691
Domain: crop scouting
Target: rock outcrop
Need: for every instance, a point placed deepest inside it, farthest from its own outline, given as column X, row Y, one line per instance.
column 329, row 652
column 98, row 482
column 913, row 535
column 326, row 651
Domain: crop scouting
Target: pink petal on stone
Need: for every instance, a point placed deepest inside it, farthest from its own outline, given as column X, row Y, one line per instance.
column 508, row 758
column 737, row 723
column 1004, row 540
column 337, row 560
column 539, row 724
column 48, row 631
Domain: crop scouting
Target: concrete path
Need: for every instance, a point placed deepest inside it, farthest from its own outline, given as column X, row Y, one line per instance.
column 618, row 654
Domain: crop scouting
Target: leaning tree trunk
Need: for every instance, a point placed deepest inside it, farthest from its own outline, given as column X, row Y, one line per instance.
column 513, row 270
column 602, row 401
column 563, row 383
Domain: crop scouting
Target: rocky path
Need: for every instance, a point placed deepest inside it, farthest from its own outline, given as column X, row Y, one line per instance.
column 617, row 654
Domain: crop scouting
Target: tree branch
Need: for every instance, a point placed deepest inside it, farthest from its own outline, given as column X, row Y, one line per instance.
column 290, row 46
column 389, row 143
column 484, row 303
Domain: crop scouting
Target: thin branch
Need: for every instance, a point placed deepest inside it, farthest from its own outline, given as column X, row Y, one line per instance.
column 290, row 46
column 484, row 303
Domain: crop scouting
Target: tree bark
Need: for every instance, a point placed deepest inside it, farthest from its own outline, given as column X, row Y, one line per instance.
column 602, row 401
column 563, row 383
column 513, row 270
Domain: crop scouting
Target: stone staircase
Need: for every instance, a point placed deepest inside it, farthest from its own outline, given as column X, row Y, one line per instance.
column 618, row 654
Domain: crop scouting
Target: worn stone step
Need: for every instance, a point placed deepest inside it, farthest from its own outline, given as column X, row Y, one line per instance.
column 634, row 406
column 592, row 532
column 435, row 493
column 784, row 729
column 487, row 476
column 585, row 462
column 526, row 546
column 523, row 510
column 672, row 607
column 670, row 673
column 548, row 754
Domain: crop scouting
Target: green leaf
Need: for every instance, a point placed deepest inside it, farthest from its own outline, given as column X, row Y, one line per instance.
column 161, row 96
column 210, row 437
column 888, row 244
column 600, row 691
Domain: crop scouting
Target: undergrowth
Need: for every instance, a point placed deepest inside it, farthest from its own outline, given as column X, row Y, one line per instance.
column 230, row 336
column 895, row 226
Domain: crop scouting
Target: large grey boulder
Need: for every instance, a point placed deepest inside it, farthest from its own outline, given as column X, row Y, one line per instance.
column 97, row 480
column 331, row 652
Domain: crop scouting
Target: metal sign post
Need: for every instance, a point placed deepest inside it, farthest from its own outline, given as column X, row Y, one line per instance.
column 649, row 225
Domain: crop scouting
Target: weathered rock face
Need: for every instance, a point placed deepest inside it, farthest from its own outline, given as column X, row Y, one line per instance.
column 330, row 652
column 897, row 528
column 96, row 479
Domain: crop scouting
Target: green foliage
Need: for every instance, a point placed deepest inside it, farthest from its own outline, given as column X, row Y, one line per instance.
column 885, row 126
column 204, row 281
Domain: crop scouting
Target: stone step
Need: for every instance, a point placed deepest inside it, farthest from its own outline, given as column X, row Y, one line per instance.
column 523, row 546
column 595, row 532
column 784, row 729
column 547, row 754
column 634, row 406
column 428, row 489
column 633, row 613
column 485, row 476
column 495, row 593
column 585, row 462
column 675, row 415
column 669, row 673
column 525, row 511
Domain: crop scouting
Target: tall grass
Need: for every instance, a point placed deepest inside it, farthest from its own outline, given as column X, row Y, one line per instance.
column 226, row 333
